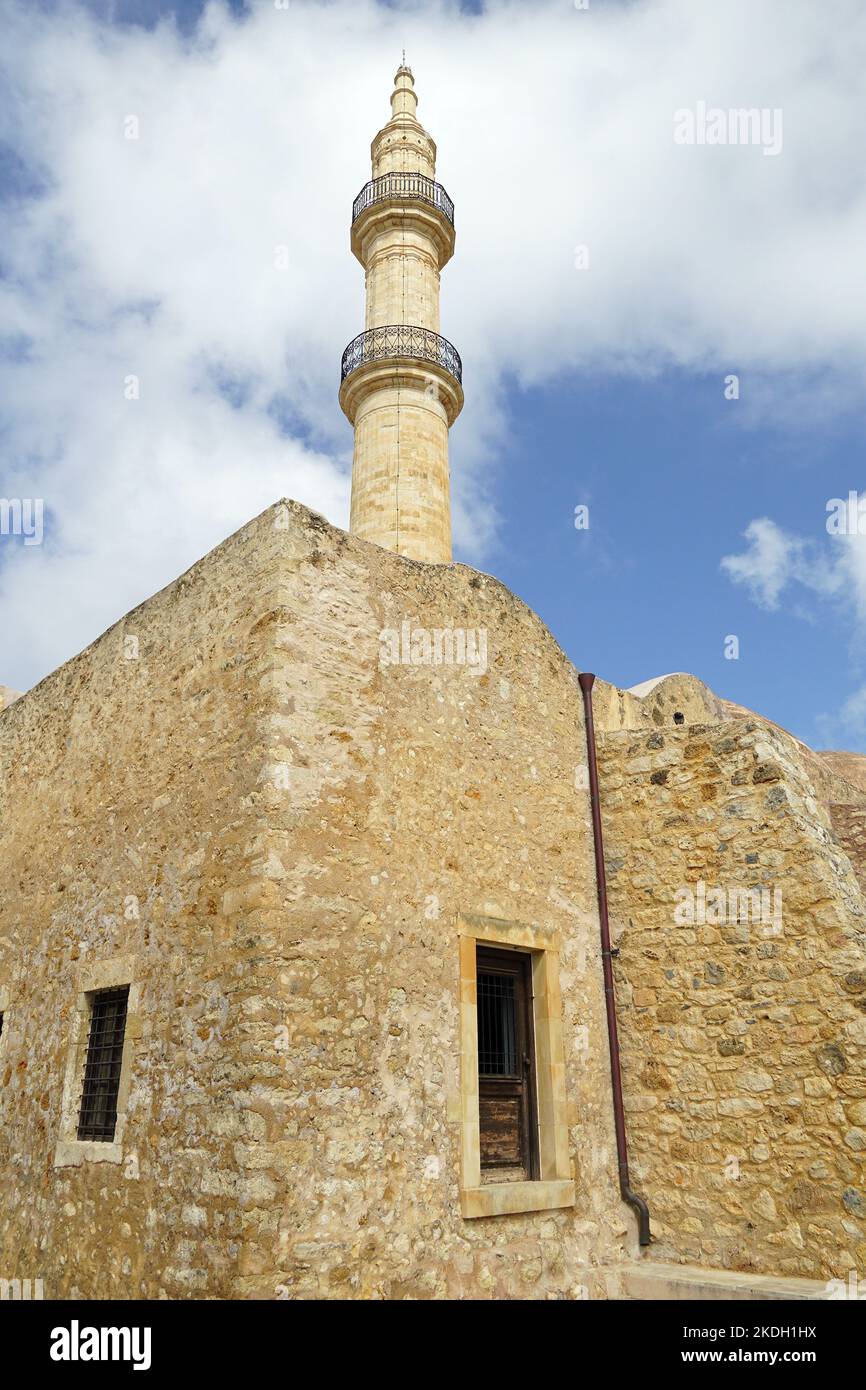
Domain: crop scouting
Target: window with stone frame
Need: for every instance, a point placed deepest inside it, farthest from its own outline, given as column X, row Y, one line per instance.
column 514, row 1151
column 508, row 1127
column 97, row 1119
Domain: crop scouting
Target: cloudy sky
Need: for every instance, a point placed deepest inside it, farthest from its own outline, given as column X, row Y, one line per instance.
column 593, row 377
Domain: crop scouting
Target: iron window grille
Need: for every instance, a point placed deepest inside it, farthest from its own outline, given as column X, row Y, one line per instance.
column 98, row 1116
column 497, row 1025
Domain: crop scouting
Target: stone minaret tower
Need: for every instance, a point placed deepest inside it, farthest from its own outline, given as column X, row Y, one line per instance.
column 400, row 381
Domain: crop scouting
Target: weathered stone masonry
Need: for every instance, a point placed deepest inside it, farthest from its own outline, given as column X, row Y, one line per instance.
column 743, row 1046
column 297, row 830
column 232, row 804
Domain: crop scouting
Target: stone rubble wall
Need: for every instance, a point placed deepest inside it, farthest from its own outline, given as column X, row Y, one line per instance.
column 849, row 828
column 744, row 1048
column 848, row 766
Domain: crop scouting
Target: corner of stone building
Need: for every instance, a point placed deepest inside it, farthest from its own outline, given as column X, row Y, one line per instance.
column 353, row 991
column 8, row 696
column 743, row 1031
column 139, row 852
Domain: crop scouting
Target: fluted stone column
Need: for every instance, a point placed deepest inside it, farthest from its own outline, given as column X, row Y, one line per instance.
column 401, row 381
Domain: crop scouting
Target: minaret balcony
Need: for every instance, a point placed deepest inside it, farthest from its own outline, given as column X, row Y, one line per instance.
column 417, row 187
column 401, row 340
column 402, row 355
column 388, row 207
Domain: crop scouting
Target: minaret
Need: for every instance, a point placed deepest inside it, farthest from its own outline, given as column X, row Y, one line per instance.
column 400, row 381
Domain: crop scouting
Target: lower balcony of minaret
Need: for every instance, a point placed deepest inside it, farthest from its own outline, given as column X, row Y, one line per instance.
column 402, row 356
column 402, row 407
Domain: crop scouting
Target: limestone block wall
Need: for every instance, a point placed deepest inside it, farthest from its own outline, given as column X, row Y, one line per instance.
column 403, row 148
column 402, row 277
column 272, row 833
column 743, row 1041
column 403, row 144
column 400, row 483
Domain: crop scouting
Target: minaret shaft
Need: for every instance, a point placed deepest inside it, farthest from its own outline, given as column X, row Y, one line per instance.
column 402, row 280
column 401, row 380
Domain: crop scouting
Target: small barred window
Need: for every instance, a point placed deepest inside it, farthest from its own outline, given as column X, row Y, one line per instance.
column 98, row 1116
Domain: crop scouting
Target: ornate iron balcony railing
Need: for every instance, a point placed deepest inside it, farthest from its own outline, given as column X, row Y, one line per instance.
column 401, row 340
column 401, row 185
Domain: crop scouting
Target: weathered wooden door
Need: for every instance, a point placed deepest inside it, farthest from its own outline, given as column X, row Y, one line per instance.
column 506, row 1064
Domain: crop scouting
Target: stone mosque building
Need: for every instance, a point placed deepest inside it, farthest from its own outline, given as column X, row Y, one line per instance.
column 353, row 946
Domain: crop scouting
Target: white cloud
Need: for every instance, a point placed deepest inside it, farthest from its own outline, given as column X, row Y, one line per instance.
column 769, row 563
column 776, row 559
column 846, row 726
column 777, row 564
column 852, row 716
column 156, row 256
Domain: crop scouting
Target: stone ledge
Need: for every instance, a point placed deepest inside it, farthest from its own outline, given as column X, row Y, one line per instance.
column 666, row 1283
column 508, row 1198
column 71, row 1153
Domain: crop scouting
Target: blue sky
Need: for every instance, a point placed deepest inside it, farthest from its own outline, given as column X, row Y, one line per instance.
column 152, row 258
column 672, row 478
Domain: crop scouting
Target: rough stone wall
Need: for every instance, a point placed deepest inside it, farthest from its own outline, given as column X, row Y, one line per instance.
column 413, row 792
column 743, row 1045
column 850, row 766
column 128, row 781
column 281, row 832
column 655, row 703
column 849, row 828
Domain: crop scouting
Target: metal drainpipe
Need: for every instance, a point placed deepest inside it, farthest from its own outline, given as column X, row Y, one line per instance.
column 586, row 681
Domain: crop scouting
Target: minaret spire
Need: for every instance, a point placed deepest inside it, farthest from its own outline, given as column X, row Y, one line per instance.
column 401, row 381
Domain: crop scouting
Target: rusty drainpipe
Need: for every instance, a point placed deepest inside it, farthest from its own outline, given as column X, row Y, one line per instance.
column 586, row 681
